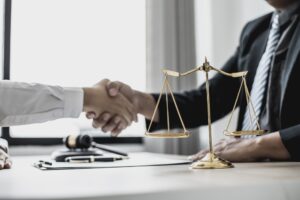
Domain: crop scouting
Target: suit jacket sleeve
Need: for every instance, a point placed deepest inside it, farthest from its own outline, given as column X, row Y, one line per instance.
column 291, row 139
column 192, row 104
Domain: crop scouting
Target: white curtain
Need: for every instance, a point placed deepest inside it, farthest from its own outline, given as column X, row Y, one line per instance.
column 171, row 44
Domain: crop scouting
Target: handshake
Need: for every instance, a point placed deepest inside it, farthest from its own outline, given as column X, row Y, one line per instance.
column 113, row 106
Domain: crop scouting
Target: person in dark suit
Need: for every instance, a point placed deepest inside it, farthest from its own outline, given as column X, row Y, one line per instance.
column 269, row 49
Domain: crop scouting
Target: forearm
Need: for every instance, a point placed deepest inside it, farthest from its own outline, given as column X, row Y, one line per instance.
column 291, row 139
column 190, row 109
column 23, row 103
column 270, row 146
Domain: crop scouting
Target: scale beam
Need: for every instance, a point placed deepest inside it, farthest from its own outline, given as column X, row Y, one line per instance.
column 171, row 73
column 233, row 75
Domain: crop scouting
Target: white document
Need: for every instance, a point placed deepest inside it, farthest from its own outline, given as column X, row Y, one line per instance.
column 135, row 160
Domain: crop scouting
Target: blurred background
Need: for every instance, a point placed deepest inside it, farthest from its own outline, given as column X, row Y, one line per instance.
column 76, row 43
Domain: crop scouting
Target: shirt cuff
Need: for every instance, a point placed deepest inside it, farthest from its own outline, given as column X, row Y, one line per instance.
column 291, row 139
column 73, row 102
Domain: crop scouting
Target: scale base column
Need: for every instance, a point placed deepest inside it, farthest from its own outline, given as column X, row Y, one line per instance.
column 211, row 161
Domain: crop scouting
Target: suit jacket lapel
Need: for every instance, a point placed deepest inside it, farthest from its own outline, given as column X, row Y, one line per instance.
column 292, row 56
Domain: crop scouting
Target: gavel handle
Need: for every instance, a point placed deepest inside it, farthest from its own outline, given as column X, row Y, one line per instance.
column 108, row 149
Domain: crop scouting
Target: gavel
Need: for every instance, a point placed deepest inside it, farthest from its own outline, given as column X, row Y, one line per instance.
column 84, row 141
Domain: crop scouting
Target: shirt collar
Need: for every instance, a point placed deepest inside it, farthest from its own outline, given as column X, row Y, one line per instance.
column 287, row 14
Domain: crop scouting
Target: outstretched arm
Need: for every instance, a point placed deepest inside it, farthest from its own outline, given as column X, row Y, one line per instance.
column 24, row 103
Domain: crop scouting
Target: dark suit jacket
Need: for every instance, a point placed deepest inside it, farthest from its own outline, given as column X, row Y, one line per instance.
column 223, row 90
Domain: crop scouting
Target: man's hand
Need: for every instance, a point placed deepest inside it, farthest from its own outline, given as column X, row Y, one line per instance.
column 97, row 102
column 144, row 104
column 249, row 150
column 110, row 123
column 5, row 162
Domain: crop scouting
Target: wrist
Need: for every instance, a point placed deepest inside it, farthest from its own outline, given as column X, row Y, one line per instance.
column 146, row 105
column 261, row 148
column 87, row 93
column 270, row 146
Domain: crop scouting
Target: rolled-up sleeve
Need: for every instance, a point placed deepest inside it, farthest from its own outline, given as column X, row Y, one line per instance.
column 25, row 103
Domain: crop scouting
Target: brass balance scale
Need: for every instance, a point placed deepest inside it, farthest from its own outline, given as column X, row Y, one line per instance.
column 211, row 160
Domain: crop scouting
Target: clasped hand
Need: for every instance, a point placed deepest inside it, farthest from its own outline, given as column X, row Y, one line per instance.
column 111, row 105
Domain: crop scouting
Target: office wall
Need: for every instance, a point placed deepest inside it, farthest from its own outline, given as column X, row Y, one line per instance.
column 218, row 26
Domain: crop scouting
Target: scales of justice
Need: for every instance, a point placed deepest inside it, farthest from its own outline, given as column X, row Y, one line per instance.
column 211, row 160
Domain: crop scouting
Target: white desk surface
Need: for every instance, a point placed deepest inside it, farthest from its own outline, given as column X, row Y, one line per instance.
column 245, row 181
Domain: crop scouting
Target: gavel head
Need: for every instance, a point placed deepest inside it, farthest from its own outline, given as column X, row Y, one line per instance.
column 78, row 141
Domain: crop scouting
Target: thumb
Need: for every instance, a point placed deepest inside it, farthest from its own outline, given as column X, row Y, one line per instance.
column 113, row 88
column 90, row 115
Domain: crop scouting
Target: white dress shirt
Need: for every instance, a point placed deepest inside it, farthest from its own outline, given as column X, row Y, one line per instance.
column 25, row 103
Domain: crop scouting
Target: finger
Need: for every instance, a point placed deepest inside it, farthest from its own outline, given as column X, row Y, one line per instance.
column 195, row 157
column 202, row 155
column 116, row 132
column 221, row 141
column 132, row 110
column 116, row 87
column 218, row 152
column 124, row 112
column 103, row 81
column 126, row 109
column 122, row 125
column 112, row 124
column 221, row 144
column 8, row 164
column 1, row 164
column 218, row 146
column 198, row 156
column 3, row 157
column 125, row 89
column 102, row 120
column 113, row 88
column 90, row 115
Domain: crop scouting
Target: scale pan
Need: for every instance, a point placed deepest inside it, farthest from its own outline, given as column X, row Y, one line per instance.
column 246, row 132
column 167, row 135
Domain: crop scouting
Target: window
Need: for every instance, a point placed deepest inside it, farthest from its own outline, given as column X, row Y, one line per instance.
column 77, row 43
